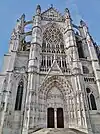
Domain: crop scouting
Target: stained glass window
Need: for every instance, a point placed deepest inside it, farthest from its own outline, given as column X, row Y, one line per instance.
column 53, row 39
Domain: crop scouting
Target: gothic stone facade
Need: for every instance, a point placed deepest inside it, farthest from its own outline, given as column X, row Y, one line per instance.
column 50, row 77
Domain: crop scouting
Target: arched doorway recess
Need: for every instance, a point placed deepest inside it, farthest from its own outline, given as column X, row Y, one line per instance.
column 56, row 93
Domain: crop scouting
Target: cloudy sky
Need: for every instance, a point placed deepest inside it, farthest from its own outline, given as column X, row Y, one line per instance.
column 11, row 10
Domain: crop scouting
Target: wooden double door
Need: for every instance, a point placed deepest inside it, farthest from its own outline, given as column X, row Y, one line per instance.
column 51, row 118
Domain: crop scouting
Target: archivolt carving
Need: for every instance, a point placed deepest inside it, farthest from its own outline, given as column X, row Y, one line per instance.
column 57, row 81
column 57, row 92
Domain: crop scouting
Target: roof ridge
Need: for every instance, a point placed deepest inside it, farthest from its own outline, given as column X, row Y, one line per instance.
column 53, row 9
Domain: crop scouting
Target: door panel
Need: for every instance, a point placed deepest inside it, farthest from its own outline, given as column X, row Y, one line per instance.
column 60, row 118
column 50, row 117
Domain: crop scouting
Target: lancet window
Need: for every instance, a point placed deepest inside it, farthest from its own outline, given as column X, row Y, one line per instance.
column 48, row 61
column 91, row 100
column 19, row 96
column 59, row 61
column 80, row 48
column 85, row 70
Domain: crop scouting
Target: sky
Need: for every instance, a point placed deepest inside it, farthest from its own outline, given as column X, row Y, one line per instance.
column 11, row 10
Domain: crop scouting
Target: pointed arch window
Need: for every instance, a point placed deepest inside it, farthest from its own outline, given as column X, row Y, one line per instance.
column 64, row 62
column 48, row 61
column 93, row 103
column 19, row 96
column 44, row 47
column 48, row 47
column 80, row 48
column 91, row 100
column 59, row 61
column 85, row 70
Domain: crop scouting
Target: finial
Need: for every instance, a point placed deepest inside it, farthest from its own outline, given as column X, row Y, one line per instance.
column 82, row 23
column 66, row 10
column 38, row 10
column 17, row 20
column 38, row 7
column 67, row 13
column 23, row 16
column 52, row 5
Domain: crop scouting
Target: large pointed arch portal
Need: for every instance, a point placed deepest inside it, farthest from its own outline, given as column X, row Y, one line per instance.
column 54, row 102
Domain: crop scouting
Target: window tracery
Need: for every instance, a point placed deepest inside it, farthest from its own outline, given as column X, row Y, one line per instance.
column 53, row 44
column 53, row 40
column 85, row 70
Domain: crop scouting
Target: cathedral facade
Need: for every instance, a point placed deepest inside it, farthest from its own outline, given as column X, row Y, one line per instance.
column 51, row 76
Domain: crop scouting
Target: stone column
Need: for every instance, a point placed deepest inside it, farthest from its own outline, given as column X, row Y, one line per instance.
column 33, row 70
column 55, row 117
column 67, row 119
column 46, row 117
column 7, row 92
column 76, row 66
column 71, row 48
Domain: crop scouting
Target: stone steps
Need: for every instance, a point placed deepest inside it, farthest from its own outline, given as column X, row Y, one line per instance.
column 57, row 131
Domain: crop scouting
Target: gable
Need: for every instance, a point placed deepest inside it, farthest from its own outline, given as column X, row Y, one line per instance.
column 52, row 14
